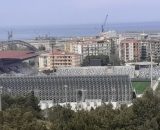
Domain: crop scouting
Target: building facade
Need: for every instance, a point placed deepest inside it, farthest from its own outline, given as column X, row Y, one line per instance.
column 92, row 46
column 146, row 46
column 129, row 50
column 56, row 59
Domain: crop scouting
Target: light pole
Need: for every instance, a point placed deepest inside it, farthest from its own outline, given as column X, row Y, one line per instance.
column 151, row 65
column 36, row 93
column 83, row 95
column 1, row 97
column 66, row 86
column 9, row 91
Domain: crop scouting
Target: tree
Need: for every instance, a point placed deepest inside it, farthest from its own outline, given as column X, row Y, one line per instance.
column 32, row 101
column 21, row 113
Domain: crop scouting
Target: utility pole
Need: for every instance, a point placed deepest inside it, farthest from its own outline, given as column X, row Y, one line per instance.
column 9, row 91
column 83, row 95
column 36, row 93
column 1, row 90
column 52, row 44
column 66, row 86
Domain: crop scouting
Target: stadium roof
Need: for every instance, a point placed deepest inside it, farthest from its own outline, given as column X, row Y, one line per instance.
column 17, row 55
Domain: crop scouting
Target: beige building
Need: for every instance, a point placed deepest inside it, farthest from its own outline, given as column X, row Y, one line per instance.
column 50, row 61
column 129, row 50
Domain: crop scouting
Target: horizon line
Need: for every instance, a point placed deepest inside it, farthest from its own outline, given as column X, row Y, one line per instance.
column 76, row 24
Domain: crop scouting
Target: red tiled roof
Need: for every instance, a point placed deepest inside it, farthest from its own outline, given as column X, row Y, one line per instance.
column 20, row 55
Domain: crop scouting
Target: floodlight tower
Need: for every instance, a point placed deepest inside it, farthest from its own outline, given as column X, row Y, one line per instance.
column 151, row 65
column 36, row 93
column 52, row 45
column 65, row 87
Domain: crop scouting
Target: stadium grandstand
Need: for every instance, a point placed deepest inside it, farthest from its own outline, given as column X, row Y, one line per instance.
column 143, row 72
column 146, row 72
column 77, row 90
column 12, row 62
column 98, row 70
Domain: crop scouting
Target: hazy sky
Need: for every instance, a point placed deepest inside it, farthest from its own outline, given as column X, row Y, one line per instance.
column 52, row 12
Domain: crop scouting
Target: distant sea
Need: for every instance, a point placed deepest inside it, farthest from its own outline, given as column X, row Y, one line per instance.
column 30, row 32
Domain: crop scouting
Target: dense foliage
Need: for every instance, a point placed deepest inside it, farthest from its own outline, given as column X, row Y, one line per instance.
column 24, row 114
column 144, row 114
column 21, row 113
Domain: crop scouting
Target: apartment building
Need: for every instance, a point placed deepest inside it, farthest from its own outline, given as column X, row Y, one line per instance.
column 58, row 58
column 91, row 47
column 129, row 50
column 155, row 43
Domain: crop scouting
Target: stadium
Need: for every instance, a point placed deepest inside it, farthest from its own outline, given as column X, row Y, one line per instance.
column 14, row 57
column 60, row 89
column 12, row 62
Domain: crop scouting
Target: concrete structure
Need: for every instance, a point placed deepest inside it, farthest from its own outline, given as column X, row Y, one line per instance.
column 85, row 91
column 129, row 50
column 56, row 59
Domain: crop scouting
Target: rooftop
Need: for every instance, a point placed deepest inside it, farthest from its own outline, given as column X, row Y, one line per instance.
column 59, row 52
column 18, row 55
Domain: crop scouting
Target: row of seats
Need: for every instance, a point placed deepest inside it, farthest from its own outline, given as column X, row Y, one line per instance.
column 117, row 70
column 146, row 72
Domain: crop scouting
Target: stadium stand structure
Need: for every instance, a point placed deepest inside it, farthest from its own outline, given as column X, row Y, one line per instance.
column 11, row 62
column 18, row 68
column 104, row 88
column 146, row 72
column 98, row 70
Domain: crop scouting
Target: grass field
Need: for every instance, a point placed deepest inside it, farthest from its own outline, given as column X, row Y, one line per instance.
column 140, row 86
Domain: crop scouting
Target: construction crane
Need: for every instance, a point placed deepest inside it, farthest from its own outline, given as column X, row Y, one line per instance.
column 103, row 25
